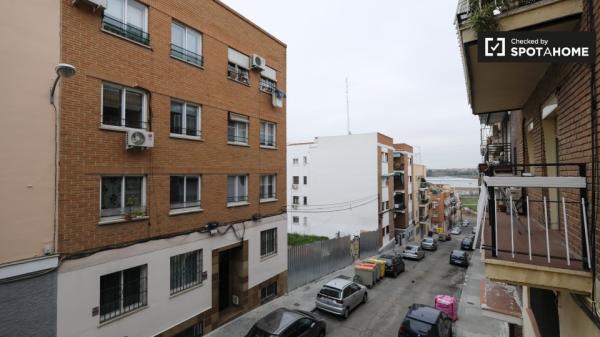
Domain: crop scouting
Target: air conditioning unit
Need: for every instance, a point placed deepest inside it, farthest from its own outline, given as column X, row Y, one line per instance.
column 294, row 206
column 139, row 139
column 258, row 62
column 294, row 186
column 235, row 300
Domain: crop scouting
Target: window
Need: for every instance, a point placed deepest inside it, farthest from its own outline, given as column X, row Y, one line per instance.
column 185, row 119
column 196, row 330
column 305, row 200
column 123, row 196
column 186, row 44
column 127, row 18
column 268, row 293
column 237, row 189
column 305, row 180
column 123, row 107
column 268, row 242
column 267, row 187
column 295, row 180
column 295, row 220
column 237, row 129
column 237, row 68
column 305, row 159
column 384, row 157
column 185, row 192
column 122, row 292
column 295, row 200
column 384, row 181
column 387, row 229
column 268, row 80
column 295, row 161
column 305, row 221
column 186, row 270
column 268, row 134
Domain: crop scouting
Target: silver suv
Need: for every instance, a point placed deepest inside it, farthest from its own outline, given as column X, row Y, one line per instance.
column 339, row 296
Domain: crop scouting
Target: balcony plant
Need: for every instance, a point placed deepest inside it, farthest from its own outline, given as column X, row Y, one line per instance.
column 133, row 212
column 482, row 16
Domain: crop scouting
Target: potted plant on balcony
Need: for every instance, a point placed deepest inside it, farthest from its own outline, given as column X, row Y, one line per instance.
column 482, row 16
column 133, row 212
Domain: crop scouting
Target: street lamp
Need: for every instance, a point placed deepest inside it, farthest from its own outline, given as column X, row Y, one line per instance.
column 62, row 69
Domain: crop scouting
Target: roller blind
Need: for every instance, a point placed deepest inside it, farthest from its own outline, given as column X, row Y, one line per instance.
column 238, row 58
column 269, row 73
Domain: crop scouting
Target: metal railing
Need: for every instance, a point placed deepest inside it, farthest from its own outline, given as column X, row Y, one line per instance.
column 267, row 85
column 125, row 122
column 186, row 55
column 534, row 222
column 128, row 31
column 499, row 153
column 129, row 293
column 194, row 132
column 269, row 195
column 237, row 139
column 132, row 212
column 238, row 75
column 464, row 12
column 186, row 204
column 264, row 141
column 237, row 198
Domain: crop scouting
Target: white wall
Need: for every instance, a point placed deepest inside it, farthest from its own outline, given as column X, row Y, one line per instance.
column 79, row 281
column 340, row 169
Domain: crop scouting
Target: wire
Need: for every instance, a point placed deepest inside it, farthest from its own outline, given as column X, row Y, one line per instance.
column 336, row 210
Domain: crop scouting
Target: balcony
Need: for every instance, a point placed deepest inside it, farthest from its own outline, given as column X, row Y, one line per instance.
column 400, row 221
column 186, row 55
column 516, row 81
column 127, row 31
column 536, row 230
column 399, row 182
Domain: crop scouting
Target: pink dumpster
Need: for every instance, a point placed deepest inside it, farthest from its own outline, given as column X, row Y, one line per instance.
column 447, row 304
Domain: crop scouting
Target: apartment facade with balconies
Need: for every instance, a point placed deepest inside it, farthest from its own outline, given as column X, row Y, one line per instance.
column 404, row 192
column 341, row 185
column 422, row 203
column 537, row 213
column 171, row 214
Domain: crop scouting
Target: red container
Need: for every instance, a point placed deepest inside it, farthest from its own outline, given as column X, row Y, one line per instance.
column 447, row 304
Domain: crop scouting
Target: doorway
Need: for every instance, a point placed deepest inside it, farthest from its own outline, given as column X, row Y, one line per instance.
column 230, row 279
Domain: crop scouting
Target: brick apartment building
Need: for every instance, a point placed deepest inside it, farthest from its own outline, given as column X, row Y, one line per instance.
column 405, row 211
column 539, row 174
column 421, row 201
column 171, row 181
column 340, row 185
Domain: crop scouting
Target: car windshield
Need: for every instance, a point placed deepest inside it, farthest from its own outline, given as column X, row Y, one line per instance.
column 417, row 326
column 428, row 240
column 387, row 258
column 331, row 292
column 467, row 240
column 256, row 332
column 458, row 253
column 411, row 248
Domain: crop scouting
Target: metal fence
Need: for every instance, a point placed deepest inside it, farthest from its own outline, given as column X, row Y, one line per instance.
column 369, row 244
column 312, row 261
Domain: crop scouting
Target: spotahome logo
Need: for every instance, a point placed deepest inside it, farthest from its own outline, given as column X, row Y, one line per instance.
column 555, row 47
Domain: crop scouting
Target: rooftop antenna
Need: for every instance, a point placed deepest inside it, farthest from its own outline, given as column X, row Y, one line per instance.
column 347, row 108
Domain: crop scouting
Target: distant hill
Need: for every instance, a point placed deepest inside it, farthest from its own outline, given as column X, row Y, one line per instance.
column 453, row 172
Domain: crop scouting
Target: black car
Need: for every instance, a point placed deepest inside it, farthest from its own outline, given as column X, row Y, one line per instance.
column 459, row 257
column 394, row 264
column 287, row 322
column 425, row 321
column 467, row 243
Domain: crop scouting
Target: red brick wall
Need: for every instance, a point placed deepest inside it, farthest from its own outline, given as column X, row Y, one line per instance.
column 86, row 152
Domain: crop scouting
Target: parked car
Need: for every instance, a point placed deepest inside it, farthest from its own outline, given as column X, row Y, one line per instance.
column 393, row 264
column 287, row 322
column 467, row 243
column 456, row 231
column 413, row 252
column 429, row 244
column 425, row 321
column 459, row 257
column 340, row 296
column 444, row 237
column 473, row 230
column 466, row 223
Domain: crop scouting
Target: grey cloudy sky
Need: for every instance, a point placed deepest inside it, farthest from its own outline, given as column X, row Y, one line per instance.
column 403, row 63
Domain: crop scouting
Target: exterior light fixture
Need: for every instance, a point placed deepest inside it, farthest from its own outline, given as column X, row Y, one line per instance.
column 62, row 70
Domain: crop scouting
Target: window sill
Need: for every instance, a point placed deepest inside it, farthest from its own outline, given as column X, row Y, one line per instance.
column 129, row 313
column 117, row 128
column 190, row 63
column 126, row 39
column 238, row 82
column 268, row 257
column 266, row 91
column 186, row 137
column 238, row 144
column 267, row 200
column 267, row 147
column 187, row 290
column 109, row 221
column 185, row 210
column 237, row 204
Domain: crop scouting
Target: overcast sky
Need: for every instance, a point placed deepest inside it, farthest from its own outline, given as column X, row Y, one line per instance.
column 404, row 68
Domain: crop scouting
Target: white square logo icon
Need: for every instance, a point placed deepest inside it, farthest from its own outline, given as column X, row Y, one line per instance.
column 495, row 46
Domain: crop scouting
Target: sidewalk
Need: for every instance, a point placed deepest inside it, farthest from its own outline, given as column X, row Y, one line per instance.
column 471, row 322
column 302, row 298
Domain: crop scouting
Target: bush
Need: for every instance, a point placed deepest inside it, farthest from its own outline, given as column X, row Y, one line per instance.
column 301, row 239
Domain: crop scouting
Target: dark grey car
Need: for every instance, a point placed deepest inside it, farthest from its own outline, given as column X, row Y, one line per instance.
column 393, row 264
column 288, row 323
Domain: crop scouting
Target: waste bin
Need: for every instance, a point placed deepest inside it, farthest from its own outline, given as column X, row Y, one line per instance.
column 375, row 268
column 380, row 264
column 447, row 304
column 364, row 274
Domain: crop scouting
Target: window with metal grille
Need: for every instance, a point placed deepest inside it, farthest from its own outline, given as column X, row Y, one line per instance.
column 237, row 129
column 124, row 107
column 268, row 293
column 185, row 119
column 186, row 44
column 185, row 192
column 122, row 197
column 122, row 292
column 267, row 85
column 268, row 242
column 127, row 18
column 186, row 270
column 268, row 132
column 237, row 189
column 196, row 330
column 267, row 187
column 295, row 180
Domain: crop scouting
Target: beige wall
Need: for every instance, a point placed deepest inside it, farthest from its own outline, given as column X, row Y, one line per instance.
column 29, row 53
column 573, row 321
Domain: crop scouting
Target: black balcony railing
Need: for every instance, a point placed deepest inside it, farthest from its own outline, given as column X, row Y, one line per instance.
column 499, row 153
column 125, row 30
column 237, row 74
column 463, row 11
column 186, row 204
column 264, row 141
column 124, row 122
column 237, row 198
column 194, row 132
column 237, row 139
column 186, row 55
column 267, row 85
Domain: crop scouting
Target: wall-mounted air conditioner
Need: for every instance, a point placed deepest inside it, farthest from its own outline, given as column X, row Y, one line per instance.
column 258, row 62
column 294, row 186
column 140, row 139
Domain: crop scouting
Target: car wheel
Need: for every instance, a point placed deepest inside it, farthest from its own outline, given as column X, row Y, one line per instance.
column 346, row 313
column 365, row 298
column 322, row 333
